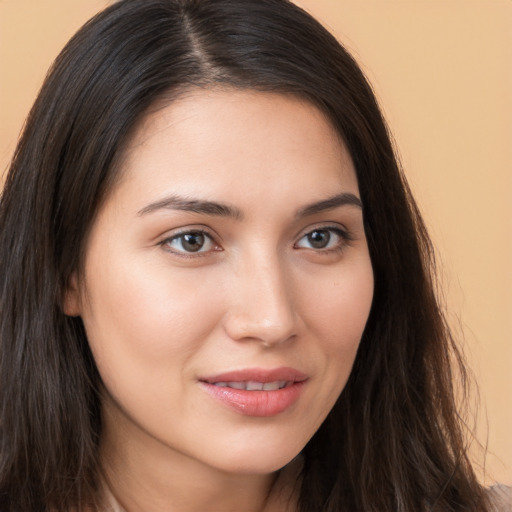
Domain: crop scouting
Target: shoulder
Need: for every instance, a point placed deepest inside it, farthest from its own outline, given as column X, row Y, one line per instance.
column 500, row 497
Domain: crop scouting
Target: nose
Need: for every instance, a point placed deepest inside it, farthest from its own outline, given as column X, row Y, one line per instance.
column 261, row 304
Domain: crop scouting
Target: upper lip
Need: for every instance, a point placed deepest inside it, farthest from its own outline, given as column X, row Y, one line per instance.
column 258, row 375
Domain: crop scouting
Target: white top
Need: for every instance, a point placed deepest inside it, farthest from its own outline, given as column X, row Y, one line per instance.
column 501, row 496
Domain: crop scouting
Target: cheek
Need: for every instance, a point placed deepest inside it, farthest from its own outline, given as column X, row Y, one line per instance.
column 338, row 309
column 142, row 312
column 339, row 305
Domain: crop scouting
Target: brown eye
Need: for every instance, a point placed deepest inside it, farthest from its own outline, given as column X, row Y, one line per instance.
column 190, row 242
column 323, row 239
column 319, row 239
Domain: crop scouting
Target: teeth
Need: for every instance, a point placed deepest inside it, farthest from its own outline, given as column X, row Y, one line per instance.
column 236, row 385
column 252, row 385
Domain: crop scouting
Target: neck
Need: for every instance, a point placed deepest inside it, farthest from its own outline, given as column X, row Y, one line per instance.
column 144, row 475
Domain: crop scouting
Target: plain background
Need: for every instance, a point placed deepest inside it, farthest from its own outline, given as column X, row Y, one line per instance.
column 443, row 73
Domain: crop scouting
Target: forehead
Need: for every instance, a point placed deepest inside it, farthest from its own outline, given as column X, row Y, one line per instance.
column 221, row 140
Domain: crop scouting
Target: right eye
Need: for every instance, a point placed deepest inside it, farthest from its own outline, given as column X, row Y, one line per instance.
column 190, row 243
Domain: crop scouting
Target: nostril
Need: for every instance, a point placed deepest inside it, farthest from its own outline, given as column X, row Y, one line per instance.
column 268, row 332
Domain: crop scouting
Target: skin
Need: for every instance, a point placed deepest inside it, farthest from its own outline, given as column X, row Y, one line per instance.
column 257, row 294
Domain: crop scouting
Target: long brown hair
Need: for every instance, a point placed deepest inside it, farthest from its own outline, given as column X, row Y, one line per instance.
column 394, row 440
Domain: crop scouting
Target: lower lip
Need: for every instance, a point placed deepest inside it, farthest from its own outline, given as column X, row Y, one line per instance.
column 257, row 403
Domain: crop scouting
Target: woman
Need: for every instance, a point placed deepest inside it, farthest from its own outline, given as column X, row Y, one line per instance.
column 216, row 289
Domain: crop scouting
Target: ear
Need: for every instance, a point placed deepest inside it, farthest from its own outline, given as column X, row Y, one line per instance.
column 71, row 297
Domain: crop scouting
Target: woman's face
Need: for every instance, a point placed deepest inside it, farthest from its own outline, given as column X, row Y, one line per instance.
column 227, row 280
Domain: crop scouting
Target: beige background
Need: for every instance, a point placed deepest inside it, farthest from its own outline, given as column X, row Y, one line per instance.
column 443, row 72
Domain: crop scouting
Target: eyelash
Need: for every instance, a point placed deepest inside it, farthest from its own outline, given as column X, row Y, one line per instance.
column 344, row 239
column 190, row 254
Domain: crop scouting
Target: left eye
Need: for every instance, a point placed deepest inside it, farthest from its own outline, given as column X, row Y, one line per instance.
column 322, row 239
column 190, row 242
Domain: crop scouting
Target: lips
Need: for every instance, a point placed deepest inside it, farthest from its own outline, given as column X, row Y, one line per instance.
column 257, row 392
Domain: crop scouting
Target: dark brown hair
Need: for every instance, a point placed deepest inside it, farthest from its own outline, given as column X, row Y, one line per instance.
column 394, row 440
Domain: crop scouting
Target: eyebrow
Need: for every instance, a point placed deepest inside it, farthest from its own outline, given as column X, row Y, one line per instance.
column 175, row 202
column 345, row 199
column 204, row 207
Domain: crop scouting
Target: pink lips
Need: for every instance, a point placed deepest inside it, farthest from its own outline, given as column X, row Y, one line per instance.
column 257, row 392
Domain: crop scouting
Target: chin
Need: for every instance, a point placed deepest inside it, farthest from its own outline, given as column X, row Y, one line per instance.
column 258, row 459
